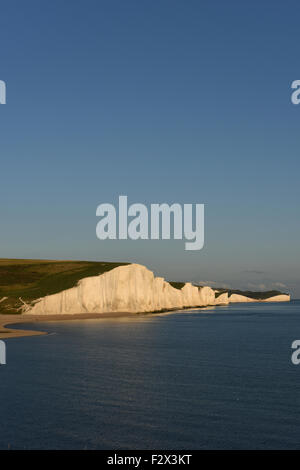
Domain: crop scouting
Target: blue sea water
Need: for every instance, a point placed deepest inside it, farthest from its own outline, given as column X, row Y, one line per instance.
column 220, row 378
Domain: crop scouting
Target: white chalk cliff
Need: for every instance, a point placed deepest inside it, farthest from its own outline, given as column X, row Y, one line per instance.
column 278, row 298
column 222, row 299
column 234, row 298
column 131, row 288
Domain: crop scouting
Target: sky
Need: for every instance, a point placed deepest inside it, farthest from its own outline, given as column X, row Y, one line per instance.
column 162, row 101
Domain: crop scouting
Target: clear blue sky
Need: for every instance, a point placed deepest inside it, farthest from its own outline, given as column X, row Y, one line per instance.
column 165, row 101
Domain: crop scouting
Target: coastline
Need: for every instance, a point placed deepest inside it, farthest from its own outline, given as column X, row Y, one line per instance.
column 12, row 320
column 7, row 320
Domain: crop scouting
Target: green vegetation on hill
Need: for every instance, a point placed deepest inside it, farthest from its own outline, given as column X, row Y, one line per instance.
column 177, row 285
column 247, row 293
column 31, row 279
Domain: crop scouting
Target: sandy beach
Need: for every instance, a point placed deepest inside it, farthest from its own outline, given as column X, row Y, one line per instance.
column 9, row 320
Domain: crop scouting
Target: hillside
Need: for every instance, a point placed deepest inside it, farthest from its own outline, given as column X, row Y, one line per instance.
column 259, row 295
column 27, row 280
column 31, row 279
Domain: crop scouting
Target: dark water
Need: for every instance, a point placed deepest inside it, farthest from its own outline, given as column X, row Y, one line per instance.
column 220, row 378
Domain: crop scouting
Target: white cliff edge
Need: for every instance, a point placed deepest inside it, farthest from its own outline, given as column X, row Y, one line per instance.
column 278, row 298
column 131, row 288
column 235, row 298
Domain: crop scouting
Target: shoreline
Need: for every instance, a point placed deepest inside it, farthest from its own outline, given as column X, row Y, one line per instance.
column 14, row 319
column 8, row 320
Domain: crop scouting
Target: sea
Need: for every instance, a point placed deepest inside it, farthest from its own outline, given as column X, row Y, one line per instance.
column 215, row 378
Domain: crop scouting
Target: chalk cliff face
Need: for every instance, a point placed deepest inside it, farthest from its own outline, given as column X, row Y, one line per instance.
column 222, row 299
column 207, row 296
column 240, row 298
column 131, row 288
column 278, row 298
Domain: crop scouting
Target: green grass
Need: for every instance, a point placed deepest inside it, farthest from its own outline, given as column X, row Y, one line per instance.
column 177, row 285
column 31, row 279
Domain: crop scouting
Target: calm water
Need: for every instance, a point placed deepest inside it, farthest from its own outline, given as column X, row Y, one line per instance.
column 219, row 378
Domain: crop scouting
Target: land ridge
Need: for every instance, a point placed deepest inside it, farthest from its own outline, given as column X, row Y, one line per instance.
column 101, row 289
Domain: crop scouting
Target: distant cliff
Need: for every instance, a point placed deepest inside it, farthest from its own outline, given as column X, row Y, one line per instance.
column 131, row 288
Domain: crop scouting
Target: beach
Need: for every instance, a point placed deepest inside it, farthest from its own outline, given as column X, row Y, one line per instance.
column 10, row 320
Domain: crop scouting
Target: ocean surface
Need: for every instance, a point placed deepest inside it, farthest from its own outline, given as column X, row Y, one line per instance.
column 220, row 378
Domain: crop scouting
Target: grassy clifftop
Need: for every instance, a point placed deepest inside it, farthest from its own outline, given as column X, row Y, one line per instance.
column 31, row 279
column 247, row 293
column 260, row 295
